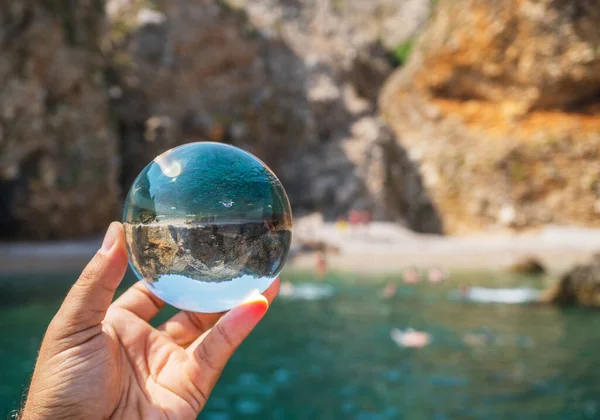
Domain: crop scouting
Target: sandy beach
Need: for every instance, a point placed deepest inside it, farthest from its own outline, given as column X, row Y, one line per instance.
column 378, row 248
column 386, row 247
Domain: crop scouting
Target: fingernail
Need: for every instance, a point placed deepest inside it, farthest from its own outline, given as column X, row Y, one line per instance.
column 251, row 311
column 109, row 239
column 254, row 297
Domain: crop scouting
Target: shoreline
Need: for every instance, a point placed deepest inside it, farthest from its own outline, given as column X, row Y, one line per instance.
column 383, row 248
column 378, row 249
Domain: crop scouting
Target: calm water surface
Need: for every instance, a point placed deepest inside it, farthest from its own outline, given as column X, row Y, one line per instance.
column 333, row 358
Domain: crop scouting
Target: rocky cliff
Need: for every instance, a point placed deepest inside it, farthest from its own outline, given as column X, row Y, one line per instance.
column 499, row 105
column 293, row 82
column 58, row 151
column 494, row 118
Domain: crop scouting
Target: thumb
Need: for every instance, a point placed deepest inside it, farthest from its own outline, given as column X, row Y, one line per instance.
column 88, row 300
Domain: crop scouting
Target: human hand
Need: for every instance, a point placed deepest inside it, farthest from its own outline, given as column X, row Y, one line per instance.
column 99, row 360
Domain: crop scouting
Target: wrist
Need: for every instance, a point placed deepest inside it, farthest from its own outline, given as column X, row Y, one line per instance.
column 26, row 413
column 32, row 410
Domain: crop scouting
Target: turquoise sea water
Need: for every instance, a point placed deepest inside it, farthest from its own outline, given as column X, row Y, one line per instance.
column 333, row 358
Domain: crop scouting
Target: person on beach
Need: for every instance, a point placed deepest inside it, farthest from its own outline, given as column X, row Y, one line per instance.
column 358, row 219
column 100, row 360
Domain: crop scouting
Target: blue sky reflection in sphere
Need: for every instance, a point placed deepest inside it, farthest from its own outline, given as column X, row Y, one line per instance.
column 206, row 225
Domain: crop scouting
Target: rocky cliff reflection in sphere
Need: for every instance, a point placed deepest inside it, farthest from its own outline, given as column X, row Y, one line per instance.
column 206, row 224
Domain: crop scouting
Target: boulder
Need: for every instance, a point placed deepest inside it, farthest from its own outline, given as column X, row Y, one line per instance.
column 528, row 266
column 579, row 286
column 498, row 104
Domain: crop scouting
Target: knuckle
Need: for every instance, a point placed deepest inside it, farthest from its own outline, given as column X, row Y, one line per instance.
column 56, row 324
column 87, row 276
column 226, row 336
column 205, row 359
column 196, row 322
column 58, row 329
column 199, row 395
column 91, row 272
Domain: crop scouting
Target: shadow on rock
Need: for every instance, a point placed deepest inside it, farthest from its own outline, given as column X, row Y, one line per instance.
column 212, row 74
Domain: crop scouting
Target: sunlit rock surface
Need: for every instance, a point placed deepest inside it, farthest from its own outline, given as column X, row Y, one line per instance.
column 499, row 106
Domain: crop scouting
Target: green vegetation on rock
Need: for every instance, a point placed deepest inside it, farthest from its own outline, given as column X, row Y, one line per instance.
column 401, row 53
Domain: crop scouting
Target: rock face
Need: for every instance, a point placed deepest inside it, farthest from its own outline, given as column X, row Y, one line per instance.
column 292, row 82
column 58, row 166
column 499, row 105
column 580, row 286
column 208, row 253
column 528, row 54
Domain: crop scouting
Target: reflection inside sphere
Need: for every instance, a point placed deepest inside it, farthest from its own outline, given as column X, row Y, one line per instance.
column 206, row 225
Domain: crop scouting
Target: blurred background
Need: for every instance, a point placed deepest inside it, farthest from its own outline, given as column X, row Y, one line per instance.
column 441, row 158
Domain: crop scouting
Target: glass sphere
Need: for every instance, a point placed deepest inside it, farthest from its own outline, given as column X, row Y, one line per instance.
column 207, row 224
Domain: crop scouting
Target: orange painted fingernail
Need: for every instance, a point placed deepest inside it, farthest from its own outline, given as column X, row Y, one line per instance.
column 255, row 304
column 255, row 296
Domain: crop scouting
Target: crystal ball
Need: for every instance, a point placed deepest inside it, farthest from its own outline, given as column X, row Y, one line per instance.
column 206, row 225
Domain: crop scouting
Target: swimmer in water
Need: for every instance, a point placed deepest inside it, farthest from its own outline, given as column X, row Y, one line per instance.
column 389, row 291
column 410, row 338
column 436, row 275
column 321, row 264
column 411, row 275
